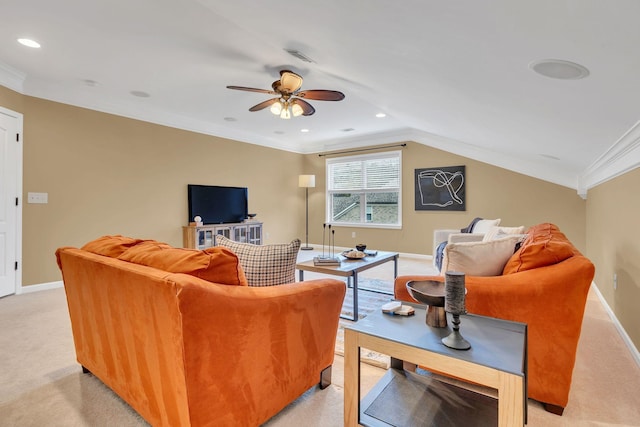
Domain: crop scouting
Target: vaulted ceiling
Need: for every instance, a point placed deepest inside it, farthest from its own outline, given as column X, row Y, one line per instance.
column 455, row 75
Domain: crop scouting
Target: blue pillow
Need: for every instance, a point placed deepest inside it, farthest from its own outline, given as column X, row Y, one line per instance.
column 440, row 254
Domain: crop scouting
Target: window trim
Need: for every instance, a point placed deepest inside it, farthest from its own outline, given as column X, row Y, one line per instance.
column 363, row 157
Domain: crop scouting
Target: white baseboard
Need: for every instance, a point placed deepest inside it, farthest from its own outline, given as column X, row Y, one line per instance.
column 40, row 287
column 416, row 256
column 625, row 337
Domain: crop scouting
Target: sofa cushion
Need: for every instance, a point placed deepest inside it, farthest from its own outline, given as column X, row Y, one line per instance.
column 483, row 225
column 479, row 258
column 217, row 265
column 111, row 246
column 496, row 232
column 265, row 265
column 545, row 245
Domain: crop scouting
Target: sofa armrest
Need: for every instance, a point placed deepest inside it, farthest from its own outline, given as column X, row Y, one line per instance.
column 268, row 344
column 440, row 236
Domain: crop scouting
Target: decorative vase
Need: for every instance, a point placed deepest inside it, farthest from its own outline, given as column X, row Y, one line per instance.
column 454, row 303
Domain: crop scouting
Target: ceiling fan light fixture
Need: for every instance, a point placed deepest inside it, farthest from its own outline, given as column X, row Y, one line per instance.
column 285, row 114
column 296, row 110
column 290, row 98
column 276, row 108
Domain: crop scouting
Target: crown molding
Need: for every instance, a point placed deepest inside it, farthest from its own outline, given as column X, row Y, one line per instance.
column 12, row 78
column 622, row 157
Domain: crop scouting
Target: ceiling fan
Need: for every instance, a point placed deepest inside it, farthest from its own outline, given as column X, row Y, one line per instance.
column 289, row 96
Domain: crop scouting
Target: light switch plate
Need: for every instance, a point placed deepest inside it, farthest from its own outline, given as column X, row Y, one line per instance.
column 37, row 197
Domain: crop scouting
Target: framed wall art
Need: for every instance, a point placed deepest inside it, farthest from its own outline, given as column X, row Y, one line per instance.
column 440, row 189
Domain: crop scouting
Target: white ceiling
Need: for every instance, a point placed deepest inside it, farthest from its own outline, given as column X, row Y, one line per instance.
column 449, row 74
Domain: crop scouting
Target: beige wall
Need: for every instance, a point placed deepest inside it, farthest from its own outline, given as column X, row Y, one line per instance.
column 492, row 192
column 613, row 244
column 108, row 174
column 11, row 100
column 111, row 175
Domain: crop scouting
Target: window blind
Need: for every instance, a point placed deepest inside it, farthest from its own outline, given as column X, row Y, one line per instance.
column 364, row 173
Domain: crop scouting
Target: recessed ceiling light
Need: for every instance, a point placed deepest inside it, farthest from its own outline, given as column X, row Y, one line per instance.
column 304, row 130
column 29, row 43
column 90, row 83
column 381, row 115
column 348, row 130
column 139, row 94
column 278, row 132
column 559, row 69
column 230, row 119
column 549, row 156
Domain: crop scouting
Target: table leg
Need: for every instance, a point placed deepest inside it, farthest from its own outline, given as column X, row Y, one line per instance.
column 354, row 280
column 351, row 378
column 511, row 410
column 396, row 363
column 301, row 275
column 395, row 266
column 355, row 296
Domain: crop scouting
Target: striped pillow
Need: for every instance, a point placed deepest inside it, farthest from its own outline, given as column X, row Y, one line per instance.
column 265, row 265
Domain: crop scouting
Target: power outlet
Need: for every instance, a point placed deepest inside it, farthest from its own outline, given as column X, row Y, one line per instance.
column 353, row 234
column 615, row 281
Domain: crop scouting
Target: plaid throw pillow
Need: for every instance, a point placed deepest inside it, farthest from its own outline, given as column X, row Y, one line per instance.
column 265, row 265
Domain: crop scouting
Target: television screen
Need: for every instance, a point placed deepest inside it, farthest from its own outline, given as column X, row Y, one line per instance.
column 217, row 205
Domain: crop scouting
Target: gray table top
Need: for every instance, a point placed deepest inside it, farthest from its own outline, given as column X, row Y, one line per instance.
column 348, row 266
column 495, row 343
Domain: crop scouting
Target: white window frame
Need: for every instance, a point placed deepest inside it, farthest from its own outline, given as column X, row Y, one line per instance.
column 364, row 191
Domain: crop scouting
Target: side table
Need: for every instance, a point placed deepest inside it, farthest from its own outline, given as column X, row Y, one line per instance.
column 497, row 359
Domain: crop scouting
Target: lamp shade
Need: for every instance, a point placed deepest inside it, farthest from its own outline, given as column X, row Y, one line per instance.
column 306, row 181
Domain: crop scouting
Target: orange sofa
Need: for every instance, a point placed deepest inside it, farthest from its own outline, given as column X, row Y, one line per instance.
column 179, row 335
column 545, row 285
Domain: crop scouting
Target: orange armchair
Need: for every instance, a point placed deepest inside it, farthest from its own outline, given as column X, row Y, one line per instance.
column 549, row 298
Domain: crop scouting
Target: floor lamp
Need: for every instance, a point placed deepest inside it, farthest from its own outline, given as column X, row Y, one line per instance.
column 307, row 181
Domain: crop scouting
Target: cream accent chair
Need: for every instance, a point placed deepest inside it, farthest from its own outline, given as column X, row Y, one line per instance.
column 476, row 235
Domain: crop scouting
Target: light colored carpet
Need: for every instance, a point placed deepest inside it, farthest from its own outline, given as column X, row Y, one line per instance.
column 42, row 385
column 368, row 301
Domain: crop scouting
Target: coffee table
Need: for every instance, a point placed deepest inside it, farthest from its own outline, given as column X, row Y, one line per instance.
column 497, row 360
column 351, row 268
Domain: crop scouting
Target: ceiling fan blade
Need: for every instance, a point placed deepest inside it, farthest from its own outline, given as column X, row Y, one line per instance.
column 290, row 81
column 321, row 95
column 263, row 104
column 307, row 109
column 252, row 89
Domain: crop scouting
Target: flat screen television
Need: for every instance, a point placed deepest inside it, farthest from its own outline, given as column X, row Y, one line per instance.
column 216, row 204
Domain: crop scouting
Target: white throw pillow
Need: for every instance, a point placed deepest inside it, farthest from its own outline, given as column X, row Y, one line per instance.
column 484, row 225
column 496, row 232
column 479, row 258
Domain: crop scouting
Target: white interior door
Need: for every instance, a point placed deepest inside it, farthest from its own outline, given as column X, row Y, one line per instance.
column 10, row 159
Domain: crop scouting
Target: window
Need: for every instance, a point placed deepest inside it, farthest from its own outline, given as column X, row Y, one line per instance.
column 365, row 190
